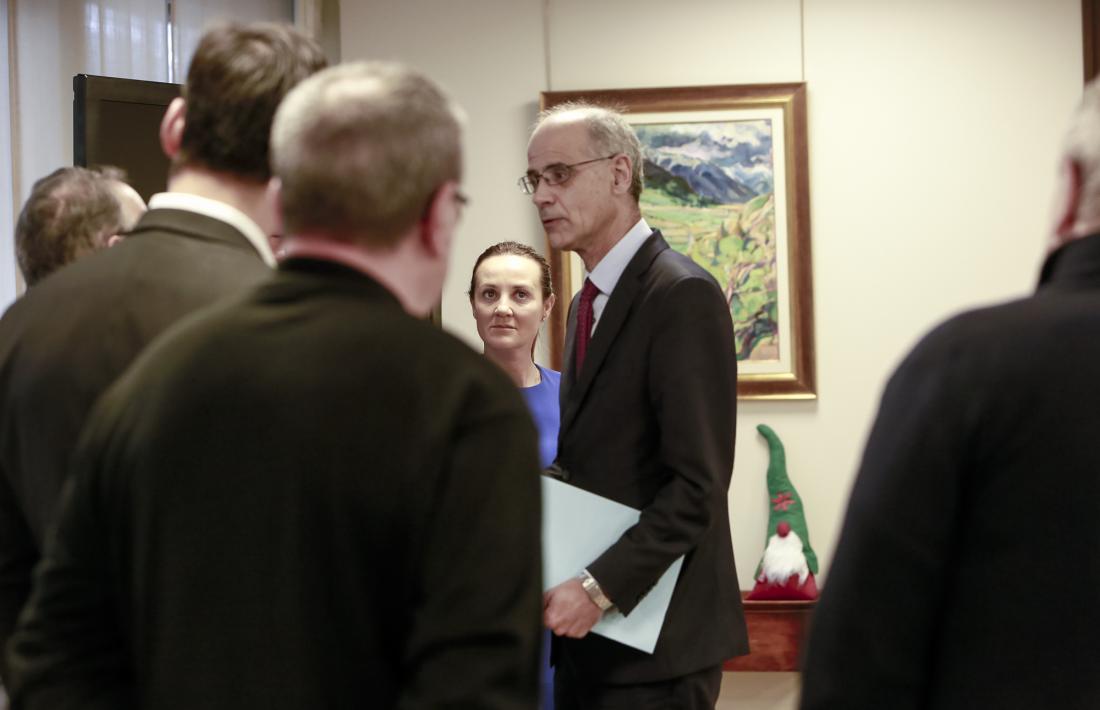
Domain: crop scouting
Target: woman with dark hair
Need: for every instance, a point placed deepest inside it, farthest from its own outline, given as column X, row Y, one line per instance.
column 511, row 297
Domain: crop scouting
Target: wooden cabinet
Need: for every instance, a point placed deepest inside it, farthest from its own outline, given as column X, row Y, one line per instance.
column 776, row 632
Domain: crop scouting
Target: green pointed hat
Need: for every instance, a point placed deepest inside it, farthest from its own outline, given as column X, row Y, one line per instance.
column 785, row 505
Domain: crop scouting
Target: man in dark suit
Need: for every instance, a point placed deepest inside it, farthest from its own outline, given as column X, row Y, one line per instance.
column 71, row 336
column 648, row 403
column 966, row 570
column 73, row 212
column 311, row 497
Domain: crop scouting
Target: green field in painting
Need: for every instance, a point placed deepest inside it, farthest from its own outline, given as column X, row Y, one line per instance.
column 736, row 244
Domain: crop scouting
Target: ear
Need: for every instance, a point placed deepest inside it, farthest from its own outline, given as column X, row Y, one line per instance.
column 1070, row 203
column 171, row 128
column 548, row 306
column 273, row 196
column 473, row 292
column 623, row 173
column 439, row 221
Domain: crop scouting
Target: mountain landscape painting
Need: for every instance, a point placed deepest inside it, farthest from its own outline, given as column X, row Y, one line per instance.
column 710, row 189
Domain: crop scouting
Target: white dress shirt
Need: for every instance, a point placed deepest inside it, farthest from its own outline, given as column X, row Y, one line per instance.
column 611, row 267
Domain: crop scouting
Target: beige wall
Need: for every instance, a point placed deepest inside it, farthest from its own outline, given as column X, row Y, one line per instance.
column 933, row 130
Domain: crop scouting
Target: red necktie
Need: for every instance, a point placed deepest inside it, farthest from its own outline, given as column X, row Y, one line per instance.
column 585, row 317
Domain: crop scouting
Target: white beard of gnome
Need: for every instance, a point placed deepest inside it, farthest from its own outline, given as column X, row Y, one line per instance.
column 783, row 558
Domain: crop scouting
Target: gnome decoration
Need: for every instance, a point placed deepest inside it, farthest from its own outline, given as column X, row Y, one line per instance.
column 789, row 564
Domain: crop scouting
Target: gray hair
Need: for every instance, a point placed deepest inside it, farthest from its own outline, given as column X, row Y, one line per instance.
column 70, row 212
column 361, row 148
column 609, row 132
column 1082, row 145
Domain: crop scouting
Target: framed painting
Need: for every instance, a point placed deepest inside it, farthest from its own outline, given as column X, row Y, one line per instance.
column 726, row 183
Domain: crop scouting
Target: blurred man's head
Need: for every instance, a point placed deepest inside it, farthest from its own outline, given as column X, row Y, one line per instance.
column 369, row 155
column 131, row 204
column 1077, row 205
column 72, row 212
column 238, row 76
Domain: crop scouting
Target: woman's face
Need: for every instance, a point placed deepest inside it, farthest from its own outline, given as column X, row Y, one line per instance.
column 507, row 302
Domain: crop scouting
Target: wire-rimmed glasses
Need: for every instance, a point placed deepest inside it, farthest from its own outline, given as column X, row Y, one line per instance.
column 554, row 174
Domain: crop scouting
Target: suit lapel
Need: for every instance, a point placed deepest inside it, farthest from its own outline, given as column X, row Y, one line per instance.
column 619, row 306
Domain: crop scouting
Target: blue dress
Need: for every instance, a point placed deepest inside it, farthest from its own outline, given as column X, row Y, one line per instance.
column 542, row 400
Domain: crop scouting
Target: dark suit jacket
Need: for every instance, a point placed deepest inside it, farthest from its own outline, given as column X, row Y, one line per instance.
column 649, row 422
column 308, row 499
column 69, row 337
column 966, row 568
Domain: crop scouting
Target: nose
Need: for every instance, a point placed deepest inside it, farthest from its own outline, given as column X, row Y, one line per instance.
column 503, row 309
column 542, row 195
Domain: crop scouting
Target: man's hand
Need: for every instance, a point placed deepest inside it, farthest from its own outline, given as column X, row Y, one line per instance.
column 567, row 610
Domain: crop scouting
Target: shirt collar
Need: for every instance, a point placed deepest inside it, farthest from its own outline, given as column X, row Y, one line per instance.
column 611, row 267
column 219, row 211
column 1075, row 264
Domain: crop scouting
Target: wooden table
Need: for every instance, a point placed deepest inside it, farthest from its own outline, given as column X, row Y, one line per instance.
column 776, row 632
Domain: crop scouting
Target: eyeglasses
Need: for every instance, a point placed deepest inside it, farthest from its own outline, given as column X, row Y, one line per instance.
column 555, row 174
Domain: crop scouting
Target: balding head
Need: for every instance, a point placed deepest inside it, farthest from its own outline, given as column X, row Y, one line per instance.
column 361, row 149
column 72, row 212
column 608, row 132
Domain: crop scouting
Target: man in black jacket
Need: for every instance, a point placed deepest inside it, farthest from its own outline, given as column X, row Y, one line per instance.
column 648, row 408
column 966, row 568
column 71, row 336
column 311, row 497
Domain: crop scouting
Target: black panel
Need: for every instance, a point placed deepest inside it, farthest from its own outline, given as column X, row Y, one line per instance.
column 117, row 122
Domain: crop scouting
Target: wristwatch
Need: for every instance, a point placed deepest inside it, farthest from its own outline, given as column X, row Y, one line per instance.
column 595, row 593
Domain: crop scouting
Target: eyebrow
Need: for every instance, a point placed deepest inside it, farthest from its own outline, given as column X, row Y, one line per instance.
column 490, row 284
column 532, row 171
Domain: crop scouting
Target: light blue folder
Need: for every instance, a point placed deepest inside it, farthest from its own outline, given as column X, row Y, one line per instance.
column 577, row 526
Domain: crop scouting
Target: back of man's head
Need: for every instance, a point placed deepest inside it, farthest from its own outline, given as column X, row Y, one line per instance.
column 361, row 149
column 237, row 78
column 71, row 212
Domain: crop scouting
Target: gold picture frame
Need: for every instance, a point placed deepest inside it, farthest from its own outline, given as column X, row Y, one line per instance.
column 732, row 191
